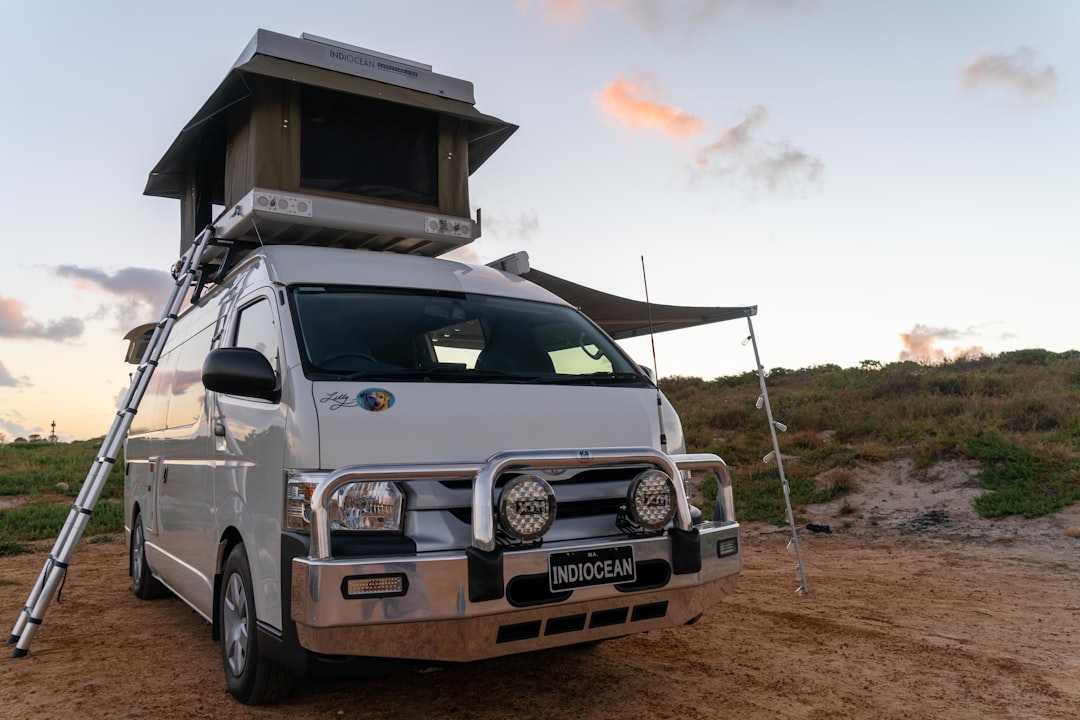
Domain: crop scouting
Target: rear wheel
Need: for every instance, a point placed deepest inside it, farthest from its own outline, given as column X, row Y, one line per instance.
column 251, row 680
column 143, row 583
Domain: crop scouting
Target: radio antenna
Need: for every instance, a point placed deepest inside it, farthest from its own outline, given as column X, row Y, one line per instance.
column 656, row 372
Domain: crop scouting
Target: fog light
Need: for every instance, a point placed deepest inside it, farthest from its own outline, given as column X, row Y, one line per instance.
column 374, row 586
column 527, row 508
column 727, row 546
column 651, row 499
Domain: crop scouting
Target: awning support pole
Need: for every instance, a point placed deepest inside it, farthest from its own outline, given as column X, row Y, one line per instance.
column 803, row 589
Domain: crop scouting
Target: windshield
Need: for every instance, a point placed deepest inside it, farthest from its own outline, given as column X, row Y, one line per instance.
column 353, row 333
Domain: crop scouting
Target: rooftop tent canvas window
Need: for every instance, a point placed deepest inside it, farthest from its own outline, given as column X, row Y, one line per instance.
column 360, row 146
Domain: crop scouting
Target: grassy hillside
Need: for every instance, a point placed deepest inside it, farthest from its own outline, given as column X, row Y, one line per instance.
column 1017, row 414
column 45, row 479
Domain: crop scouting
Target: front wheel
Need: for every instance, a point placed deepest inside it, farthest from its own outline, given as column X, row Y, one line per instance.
column 143, row 583
column 251, row 680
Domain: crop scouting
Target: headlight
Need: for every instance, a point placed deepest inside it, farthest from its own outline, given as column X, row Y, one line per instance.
column 365, row 506
column 527, row 508
column 651, row 499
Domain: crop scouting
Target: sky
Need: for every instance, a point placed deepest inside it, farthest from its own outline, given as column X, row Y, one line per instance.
column 884, row 180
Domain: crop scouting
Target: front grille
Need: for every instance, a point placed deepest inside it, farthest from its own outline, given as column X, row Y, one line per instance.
column 607, row 618
column 607, row 507
column 578, row 622
column 518, row 631
column 568, row 623
column 570, row 476
column 526, row 590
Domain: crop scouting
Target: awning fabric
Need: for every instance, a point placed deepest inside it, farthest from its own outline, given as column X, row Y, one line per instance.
column 624, row 318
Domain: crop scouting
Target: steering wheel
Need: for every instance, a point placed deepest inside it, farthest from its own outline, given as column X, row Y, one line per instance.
column 581, row 344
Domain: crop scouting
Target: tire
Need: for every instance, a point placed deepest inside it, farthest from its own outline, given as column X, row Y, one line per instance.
column 143, row 583
column 251, row 680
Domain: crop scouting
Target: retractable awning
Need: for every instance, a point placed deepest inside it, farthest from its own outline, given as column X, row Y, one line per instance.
column 624, row 318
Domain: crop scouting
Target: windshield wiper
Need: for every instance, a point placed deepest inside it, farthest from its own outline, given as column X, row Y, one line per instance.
column 459, row 373
column 596, row 378
column 456, row 372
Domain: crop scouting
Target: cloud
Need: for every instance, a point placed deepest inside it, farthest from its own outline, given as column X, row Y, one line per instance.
column 784, row 166
column 736, row 138
column 15, row 324
column 759, row 164
column 141, row 284
column 657, row 17
column 637, row 104
column 518, row 229
column 1018, row 72
column 688, row 17
column 141, row 293
column 565, row 14
column 921, row 345
column 12, row 425
column 9, row 380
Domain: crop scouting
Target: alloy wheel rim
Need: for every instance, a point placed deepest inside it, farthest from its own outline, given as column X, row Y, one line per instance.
column 137, row 569
column 235, row 624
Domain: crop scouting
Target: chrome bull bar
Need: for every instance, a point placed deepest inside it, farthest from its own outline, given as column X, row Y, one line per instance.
column 484, row 476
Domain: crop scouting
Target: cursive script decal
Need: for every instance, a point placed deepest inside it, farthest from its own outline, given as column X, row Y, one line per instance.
column 339, row 400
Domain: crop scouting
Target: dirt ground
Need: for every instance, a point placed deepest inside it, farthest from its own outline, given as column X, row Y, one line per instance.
column 917, row 609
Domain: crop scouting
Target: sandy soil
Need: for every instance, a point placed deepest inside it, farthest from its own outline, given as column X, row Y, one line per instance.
column 917, row 609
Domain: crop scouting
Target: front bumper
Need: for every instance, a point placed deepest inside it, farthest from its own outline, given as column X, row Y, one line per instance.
column 485, row 602
column 434, row 619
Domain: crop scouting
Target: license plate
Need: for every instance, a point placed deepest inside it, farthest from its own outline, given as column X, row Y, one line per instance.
column 585, row 568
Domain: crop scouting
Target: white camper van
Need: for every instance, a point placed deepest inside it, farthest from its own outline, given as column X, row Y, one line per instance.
column 354, row 455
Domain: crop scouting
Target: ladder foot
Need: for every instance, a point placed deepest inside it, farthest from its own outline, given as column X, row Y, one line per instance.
column 12, row 639
column 19, row 652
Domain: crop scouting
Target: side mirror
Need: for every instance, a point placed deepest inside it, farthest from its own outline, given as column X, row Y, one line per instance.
column 240, row 371
column 649, row 372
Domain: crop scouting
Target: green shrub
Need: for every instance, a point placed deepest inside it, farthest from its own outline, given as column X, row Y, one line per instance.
column 1025, row 399
column 38, row 470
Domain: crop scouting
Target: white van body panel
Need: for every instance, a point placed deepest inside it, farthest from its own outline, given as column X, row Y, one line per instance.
column 460, row 422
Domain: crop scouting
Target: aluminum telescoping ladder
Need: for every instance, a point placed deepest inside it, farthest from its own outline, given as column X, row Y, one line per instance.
column 763, row 400
column 187, row 270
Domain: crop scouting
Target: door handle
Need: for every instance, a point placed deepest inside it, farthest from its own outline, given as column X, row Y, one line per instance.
column 219, row 429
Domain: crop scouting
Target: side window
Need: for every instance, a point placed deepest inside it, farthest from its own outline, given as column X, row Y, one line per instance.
column 155, row 401
column 188, row 393
column 256, row 329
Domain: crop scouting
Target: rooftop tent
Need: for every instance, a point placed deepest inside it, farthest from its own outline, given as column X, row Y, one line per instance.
column 349, row 148
column 624, row 318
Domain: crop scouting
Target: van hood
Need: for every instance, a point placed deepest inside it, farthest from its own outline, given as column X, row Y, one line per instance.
column 421, row 422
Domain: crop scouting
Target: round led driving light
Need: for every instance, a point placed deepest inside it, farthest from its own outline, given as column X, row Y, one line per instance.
column 527, row 507
column 651, row 499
